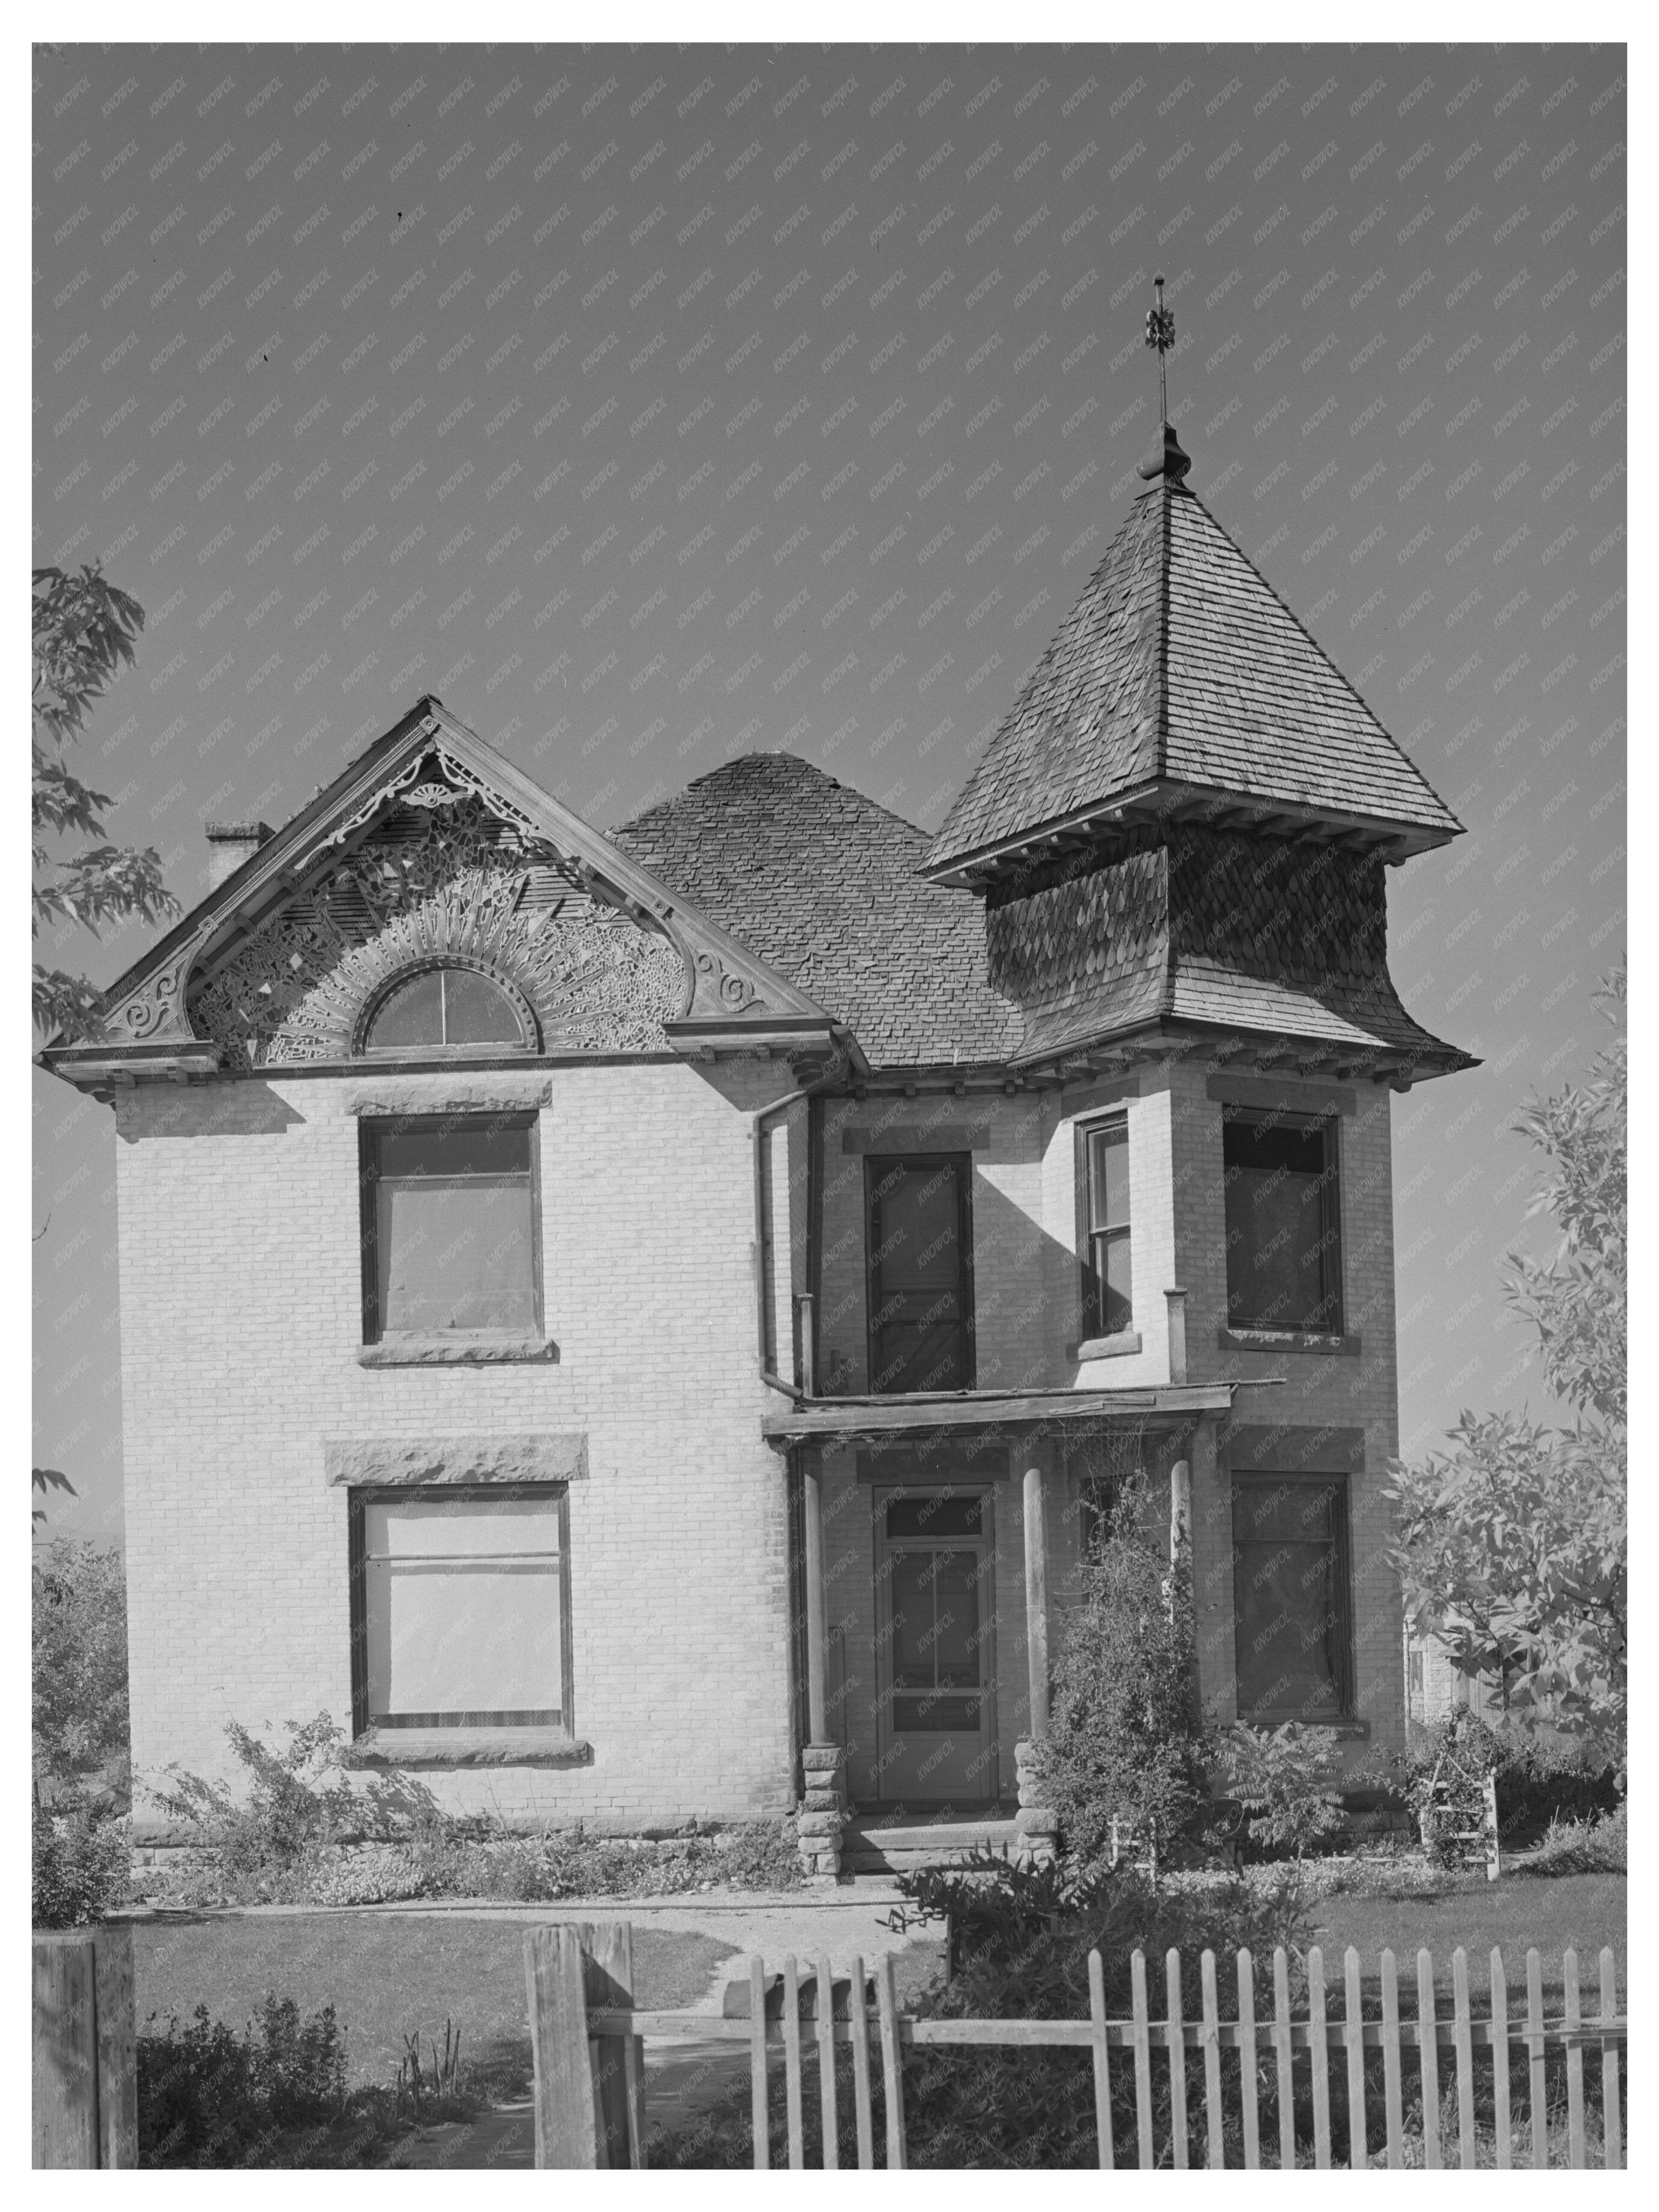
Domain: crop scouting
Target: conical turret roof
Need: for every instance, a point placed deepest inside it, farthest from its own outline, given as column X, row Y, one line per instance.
column 1182, row 686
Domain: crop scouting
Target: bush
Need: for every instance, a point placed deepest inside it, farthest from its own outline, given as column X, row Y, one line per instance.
column 210, row 2097
column 1126, row 1739
column 1541, row 1776
column 81, row 1857
column 1284, row 1779
column 1600, row 1844
column 294, row 1838
column 79, row 1610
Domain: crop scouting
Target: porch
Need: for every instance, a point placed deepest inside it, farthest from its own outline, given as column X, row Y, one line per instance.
column 935, row 1540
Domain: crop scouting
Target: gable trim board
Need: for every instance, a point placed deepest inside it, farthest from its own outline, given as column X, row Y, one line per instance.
column 146, row 1028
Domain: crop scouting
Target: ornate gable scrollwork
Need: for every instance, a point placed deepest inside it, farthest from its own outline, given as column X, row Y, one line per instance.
column 465, row 884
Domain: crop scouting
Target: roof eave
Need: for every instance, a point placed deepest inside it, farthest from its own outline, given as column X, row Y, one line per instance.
column 1163, row 801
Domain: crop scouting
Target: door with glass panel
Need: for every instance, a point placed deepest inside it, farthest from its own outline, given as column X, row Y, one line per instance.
column 935, row 1615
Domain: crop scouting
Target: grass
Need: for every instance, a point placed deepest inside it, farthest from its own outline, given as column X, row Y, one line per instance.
column 1581, row 1912
column 389, row 1976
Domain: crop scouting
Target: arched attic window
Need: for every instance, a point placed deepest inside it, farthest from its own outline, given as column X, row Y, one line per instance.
column 447, row 1008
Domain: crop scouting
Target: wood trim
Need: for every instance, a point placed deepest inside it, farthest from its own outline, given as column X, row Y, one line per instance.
column 912, row 1465
column 1254, row 1447
column 358, row 1615
column 920, row 1136
column 1285, row 1094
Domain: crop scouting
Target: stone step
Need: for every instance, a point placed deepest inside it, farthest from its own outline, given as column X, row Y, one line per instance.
column 873, row 1847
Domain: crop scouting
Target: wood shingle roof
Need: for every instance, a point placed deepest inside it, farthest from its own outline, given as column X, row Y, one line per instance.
column 1181, row 675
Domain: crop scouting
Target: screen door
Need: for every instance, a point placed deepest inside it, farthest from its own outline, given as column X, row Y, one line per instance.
column 935, row 1613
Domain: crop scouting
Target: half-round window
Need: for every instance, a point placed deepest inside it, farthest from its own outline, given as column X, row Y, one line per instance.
column 447, row 1009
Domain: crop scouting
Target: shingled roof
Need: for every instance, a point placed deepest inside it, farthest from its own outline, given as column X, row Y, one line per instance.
column 823, row 885
column 1181, row 675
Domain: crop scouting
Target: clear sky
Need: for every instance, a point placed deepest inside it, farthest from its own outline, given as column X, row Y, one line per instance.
column 652, row 405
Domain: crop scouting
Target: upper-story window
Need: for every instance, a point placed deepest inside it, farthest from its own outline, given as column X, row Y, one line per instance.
column 449, row 1227
column 1284, row 1243
column 1108, row 1309
column 450, row 1009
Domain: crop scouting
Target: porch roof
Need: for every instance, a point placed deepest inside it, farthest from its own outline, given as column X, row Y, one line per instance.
column 936, row 1413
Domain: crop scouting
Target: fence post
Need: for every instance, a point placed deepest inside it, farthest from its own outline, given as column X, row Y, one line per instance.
column 608, row 1985
column 567, row 2131
column 85, row 2060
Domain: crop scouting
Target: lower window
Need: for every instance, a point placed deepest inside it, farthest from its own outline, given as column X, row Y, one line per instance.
column 461, row 1608
column 1291, row 1607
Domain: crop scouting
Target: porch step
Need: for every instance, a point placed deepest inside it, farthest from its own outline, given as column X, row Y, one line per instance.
column 871, row 1845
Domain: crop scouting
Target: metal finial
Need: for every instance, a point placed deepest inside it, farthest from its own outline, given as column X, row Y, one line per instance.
column 1160, row 334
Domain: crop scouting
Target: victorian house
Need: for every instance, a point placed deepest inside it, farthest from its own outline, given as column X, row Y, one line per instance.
column 641, row 1325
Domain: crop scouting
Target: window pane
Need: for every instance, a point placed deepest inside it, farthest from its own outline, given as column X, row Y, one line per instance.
column 936, row 1516
column 1108, row 1176
column 412, row 1013
column 464, row 1148
column 455, row 1254
column 915, row 1221
column 1115, row 1310
column 440, row 1527
column 1272, row 1145
column 476, row 1012
column 1287, row 1562
column 1275, row 1249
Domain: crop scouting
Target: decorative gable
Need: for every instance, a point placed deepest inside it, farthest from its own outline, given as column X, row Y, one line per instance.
column 433, row 852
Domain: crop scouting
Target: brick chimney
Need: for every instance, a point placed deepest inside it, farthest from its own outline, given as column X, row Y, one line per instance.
column 230, row 843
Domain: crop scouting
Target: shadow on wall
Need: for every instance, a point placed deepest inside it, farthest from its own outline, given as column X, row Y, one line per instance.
column 231, row 1110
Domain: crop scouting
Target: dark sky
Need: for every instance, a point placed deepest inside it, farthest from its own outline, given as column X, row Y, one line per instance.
column 652, row 406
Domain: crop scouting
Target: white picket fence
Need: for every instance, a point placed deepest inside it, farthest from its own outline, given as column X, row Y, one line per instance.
column 589, row 2078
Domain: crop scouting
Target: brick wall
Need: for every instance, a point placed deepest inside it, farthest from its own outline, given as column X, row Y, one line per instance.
column 240, row 1323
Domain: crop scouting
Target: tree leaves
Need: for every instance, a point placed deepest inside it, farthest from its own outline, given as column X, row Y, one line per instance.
column 1513, row 1546
column 84, row 628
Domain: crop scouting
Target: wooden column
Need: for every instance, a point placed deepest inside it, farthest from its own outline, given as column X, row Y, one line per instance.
column 1181, row 1507
column 1037, row 1601
column 812, row 1516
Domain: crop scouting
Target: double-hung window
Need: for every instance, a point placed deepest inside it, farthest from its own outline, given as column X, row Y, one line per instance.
column 461, row 1602
column 1108, row 1307
column 449, row 1226
column 1291, row 1598
column 1284, row 1236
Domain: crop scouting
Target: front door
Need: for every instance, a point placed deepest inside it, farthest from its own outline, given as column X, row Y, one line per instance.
column 935, row 1612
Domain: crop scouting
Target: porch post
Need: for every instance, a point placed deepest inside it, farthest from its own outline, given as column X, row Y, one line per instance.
column 819, row 1823
column 812, row 1488
column 1034, row 1824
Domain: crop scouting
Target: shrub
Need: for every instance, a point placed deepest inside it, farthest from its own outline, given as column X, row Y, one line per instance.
column 1125, row 1738
column 1599, row 1844
column 79, row 1622
column 293, row 1838
column 80, row 1857
column 1541, row 1776
column 210, row 2097
column 1284, row 1779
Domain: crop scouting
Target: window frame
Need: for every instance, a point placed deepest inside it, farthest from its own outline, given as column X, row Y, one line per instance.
column 1339, row 1486
column 528, row 1042
column 370, row 1129
column 1091, row 1326
column 359, row 1498
column 876, row 1166
column 1332, row 1287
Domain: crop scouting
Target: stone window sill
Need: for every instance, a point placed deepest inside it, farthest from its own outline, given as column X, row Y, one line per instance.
column 467, row 1746
column 1119, row 1347
column 1334, row 1346
column 459, row 1348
